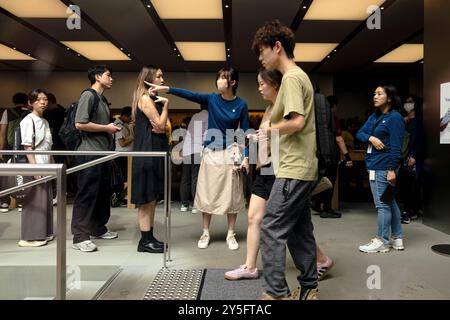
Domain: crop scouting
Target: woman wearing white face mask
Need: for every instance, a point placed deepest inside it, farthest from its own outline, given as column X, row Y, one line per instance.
column 412, row 166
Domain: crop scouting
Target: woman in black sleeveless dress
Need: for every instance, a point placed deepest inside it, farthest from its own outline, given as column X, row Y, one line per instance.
column 150, row 114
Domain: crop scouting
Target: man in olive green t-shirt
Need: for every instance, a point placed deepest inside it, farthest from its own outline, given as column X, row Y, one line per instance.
column 288, row 218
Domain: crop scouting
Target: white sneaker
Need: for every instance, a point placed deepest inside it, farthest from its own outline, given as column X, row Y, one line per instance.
column 107, row 235
column 19, row 208
column 85, row 246
column 397, row 244
column 34, row 243
column 374, row 246
column 4, row 207
column 203, row 243
column 184, row 207
column 55, row 201
column 231, row 242
column 50, row 238
column 194, row 210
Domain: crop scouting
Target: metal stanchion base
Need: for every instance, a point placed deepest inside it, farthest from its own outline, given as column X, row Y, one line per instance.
column 443, row 249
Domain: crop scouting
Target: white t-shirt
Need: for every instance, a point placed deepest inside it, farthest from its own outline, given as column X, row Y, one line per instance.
column 193, row 141
column 122, row 134
column 4, row 119
column 43, row 135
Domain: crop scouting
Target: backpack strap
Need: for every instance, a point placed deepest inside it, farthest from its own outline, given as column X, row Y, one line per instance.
column 96, row 102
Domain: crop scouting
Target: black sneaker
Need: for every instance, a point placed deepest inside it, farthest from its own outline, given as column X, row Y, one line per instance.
column 331, row 214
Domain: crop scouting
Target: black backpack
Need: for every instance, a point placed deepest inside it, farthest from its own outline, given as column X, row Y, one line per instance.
column 17, row 145
column 69, row 134
column 325, row 134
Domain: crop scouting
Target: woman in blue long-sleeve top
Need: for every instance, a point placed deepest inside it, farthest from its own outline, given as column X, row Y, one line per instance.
column 383, row 132
column 219, row 184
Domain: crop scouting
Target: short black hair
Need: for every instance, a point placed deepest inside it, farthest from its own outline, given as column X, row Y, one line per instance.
column 230, row 74
column 34, row 94
column 20, row 98
column 333, row 101
column 97, row 70
column 126, row 111
column 272, row 32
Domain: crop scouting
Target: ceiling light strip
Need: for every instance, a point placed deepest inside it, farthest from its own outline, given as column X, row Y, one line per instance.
column 38, row 31
column 350, row 37
column 300, row 15
column 162, row 28
column 103, row 32
column 397, row 45
column 228, row 30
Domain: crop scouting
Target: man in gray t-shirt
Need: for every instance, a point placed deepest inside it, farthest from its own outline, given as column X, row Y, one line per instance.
column 91, row 208
column 94, row 141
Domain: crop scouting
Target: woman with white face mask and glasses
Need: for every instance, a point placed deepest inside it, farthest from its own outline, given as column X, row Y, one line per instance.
column 413, row 155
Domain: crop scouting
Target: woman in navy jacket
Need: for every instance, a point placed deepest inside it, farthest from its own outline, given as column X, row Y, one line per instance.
column 383, row 132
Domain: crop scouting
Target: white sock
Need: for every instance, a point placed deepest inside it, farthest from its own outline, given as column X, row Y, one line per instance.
column 230, row 233
column 206, row 231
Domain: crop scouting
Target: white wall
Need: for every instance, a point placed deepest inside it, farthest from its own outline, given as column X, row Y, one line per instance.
column 68, row 85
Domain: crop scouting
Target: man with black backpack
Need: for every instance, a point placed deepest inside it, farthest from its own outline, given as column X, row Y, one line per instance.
column 91, row 208
column 10, row 120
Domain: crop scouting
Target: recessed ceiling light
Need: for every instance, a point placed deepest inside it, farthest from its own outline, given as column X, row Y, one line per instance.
column 97, row 50
column 340, row 10
column 192, row 9
column 7, row 53
column 36, row 8
column 312, row 52
column 407, row 53
column 202, row 51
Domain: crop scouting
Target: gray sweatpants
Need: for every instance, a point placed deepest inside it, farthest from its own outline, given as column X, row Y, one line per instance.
column 37, row 213
column 288, row 221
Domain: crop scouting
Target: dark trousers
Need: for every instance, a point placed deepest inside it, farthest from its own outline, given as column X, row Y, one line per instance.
column 288, row 221
column 91, row 208
column 409, row 190
column 3, row 186
column 189, row 176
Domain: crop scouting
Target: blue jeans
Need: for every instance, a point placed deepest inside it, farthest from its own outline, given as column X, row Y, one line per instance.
column 388, row 214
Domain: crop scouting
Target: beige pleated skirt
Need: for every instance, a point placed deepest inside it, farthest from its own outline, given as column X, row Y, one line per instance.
column 219, row 187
